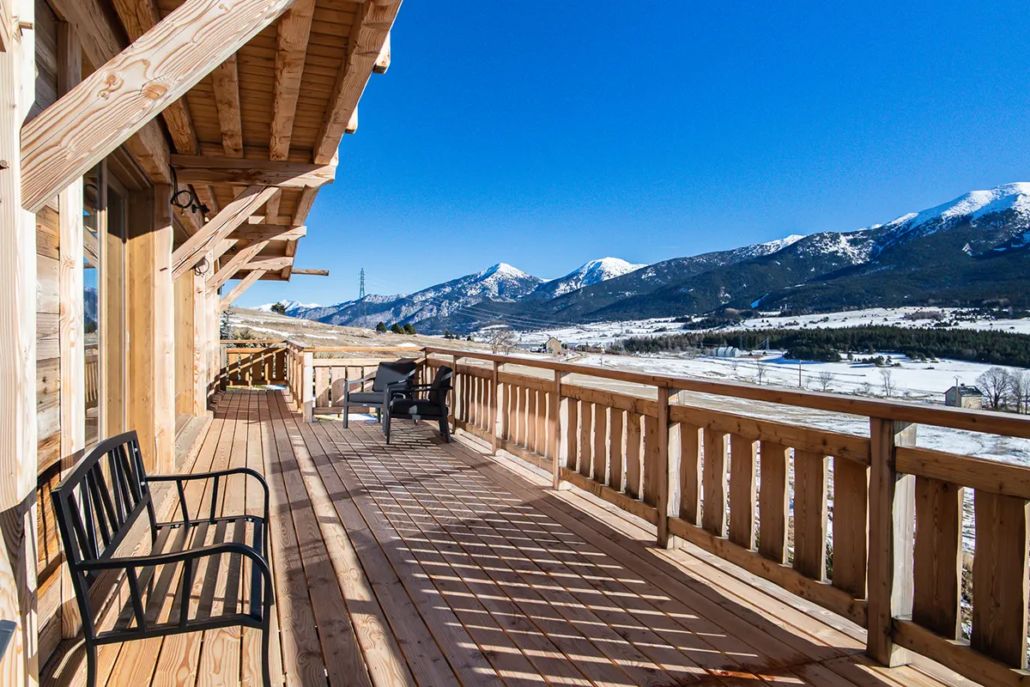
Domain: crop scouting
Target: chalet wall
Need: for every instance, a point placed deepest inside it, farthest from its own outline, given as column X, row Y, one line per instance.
column 48, row 406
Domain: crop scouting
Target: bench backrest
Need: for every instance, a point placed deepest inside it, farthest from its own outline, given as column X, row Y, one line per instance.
column 99, row 501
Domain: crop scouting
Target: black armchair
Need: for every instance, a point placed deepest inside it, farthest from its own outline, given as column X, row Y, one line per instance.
column 422, row 402
column 396, row 376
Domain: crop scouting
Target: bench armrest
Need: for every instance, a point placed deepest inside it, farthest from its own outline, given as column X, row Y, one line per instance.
column 362, row 380
column 189, row 558
column 216, row 475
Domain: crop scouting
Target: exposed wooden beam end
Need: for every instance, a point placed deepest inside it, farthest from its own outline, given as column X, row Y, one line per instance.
column 383, row 61
column 311, row 273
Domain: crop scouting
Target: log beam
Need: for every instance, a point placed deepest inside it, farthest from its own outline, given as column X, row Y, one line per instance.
column 65, row 140
column 100, row 43
column 235, row 264
column 291, row 49
column 234, row 215
column 383, row 61
column 375, row 20
column 193, row 169
column 238, row 290
column 138, row 17
column 268, row 232
column 269, row 264
column 226, row 83
column 311, row 273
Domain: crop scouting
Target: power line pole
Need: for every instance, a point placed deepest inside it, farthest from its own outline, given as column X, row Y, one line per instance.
column 361, row 291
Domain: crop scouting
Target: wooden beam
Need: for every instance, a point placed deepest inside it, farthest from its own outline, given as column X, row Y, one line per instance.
column 226, row 83
column 151, row 325
column 375, row 19
column 100, row 43
column 268, row 232
column 352, row 123
column 235, row 264
column 307, row 199
column 18, row 423
column 193, row 169
column 383, row 61
column 311, row 273
column 291, row 48
column 269, row 264
column 138, row 17
column 234, row 215
column 238, row 290
column 272, row 206
column 65, row 140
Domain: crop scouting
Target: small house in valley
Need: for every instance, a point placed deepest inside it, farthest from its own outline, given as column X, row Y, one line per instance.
column 553, row 346
column 962, row 396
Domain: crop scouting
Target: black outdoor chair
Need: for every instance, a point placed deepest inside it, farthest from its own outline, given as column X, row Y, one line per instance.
column 422, row 402
column 97, row 505
column 397, row 376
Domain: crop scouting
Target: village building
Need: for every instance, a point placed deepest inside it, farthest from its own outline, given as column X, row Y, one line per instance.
column 962, row 396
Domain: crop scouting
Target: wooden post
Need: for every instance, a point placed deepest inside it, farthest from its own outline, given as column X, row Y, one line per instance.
column 891, row 539
column 555, row 430
column 199, row 345
column 18, row 429
column 492, row 422
column 667, row 479
column 308, row 386
column 455, row 393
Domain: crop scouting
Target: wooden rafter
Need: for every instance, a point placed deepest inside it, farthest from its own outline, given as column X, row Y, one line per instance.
column 192, row 169
column 232, row 216
column 375, row 19
column 101, row 43
column 307, row 199
column 130, row 90
column 268, row 232
column 138, row 17
column 272, row 207
column 352, row 123
column 238, row 290
column 311, row 273
column 226, row 81
column 269, row 264
column 383, row 61
column 291, row 48
column 235, row 264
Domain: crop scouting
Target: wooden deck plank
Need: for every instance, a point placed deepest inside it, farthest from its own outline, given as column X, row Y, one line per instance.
column 547, row 553
column 423, row 563
column 344, row 664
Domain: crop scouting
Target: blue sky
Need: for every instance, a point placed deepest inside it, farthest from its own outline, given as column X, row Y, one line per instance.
column 548, row 134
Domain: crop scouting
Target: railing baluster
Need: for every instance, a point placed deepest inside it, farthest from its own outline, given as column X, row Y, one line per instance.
column 691, row 441
column 1000, row 576
column 810, row 516
column 850, row 528
column 743, row 493
column 633, row 454
column 600, row 443
column 774, row 501
column 572, row 434
column 617, row 448
column 713, row 510
column 586, row 444
column 938, row 555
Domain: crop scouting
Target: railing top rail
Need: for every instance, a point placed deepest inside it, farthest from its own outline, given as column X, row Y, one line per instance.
column 252, row 341
column 364, row 349
column 941, row 416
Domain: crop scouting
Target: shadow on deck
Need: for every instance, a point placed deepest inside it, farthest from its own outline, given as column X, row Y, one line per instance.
column 424, row 563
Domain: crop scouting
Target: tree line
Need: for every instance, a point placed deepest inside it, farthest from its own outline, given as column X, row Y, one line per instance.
column 1005, row 389
column 831, row 345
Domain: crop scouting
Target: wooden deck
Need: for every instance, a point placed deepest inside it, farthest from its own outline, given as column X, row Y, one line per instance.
column 423, row 563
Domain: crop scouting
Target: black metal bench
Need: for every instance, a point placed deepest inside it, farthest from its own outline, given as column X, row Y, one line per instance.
column 99, row 503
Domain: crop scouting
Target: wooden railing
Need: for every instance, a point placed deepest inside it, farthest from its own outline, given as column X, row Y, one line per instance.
column 869, row 527
column 252, row 362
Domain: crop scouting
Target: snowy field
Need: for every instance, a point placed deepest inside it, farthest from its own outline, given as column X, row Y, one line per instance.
column 607, row 333
column 916, row 382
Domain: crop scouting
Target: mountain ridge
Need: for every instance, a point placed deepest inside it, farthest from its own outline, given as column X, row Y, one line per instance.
column 971, row 249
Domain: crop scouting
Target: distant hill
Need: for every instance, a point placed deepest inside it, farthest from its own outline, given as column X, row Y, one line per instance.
column 971, row 251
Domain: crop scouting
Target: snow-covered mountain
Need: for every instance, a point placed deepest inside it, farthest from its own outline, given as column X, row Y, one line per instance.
column 587, row 274
column 292, row 307
column 974, row 249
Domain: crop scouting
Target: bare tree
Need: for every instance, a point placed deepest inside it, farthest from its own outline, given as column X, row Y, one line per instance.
column 887, row 381
column 502, row 340
column 761, row 369
column 825, row 380
column 994, row 383
column 1019, row 390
